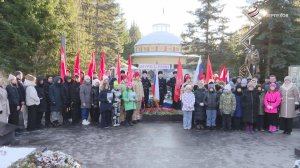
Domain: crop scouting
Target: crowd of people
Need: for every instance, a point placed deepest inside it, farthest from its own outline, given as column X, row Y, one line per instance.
column 242, row 104
column 245, row 104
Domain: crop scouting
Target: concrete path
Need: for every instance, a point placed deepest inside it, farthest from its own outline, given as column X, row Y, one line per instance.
column 166, row 145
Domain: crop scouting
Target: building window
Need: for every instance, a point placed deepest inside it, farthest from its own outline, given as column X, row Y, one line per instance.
column 156, row 48
column 166, row 48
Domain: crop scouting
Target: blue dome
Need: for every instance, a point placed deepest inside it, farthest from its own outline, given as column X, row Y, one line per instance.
column 159, row 37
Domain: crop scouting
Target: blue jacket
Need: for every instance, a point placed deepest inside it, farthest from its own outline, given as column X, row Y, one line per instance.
column 238, row 110
column 55, row 94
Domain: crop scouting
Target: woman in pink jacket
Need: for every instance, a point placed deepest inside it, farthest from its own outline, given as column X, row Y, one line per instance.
column 272, row 101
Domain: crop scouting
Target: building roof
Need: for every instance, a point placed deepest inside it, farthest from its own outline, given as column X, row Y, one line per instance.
column 166, row 54
column 159, row 37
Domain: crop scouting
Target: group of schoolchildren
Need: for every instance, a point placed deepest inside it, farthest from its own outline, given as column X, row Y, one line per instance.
column 79, row 100
column 82, row 99
column 244, row 104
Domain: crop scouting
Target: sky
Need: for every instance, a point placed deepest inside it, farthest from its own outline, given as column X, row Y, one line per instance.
column 145, row 13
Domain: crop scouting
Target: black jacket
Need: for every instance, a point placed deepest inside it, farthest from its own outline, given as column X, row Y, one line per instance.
column 211, row 100
column 40, row 89
column 21, row 91
column 162, row 86
column 13, row 95
column 95, row 96
column 66, row 91
column 146, row 85
column 104, row 105
column 250, row 106
column 75, row 94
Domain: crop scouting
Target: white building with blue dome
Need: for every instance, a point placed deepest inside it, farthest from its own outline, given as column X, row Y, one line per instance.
column 159, row 47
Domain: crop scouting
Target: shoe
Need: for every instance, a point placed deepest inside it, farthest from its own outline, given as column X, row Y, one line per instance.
column 274, row 129
column 270, row 128
column 134, row 122
column 87, row 122
column 84, row 122
column 130, row 124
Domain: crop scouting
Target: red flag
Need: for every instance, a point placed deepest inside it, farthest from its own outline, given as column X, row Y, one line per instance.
column 77, row 65
column 118, row 69
column 92, row 65
column 102, row 66
column 223, row 74
column 62, row 63
column 179, row 81
column 129, row 70
column 209, row 72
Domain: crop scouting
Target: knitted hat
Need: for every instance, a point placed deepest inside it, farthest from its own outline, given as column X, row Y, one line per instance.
column 122, row 71
column 136, row 74
column 288, row 78
column 244, row 82
column 187, row 77
column 160, row 72
column 201, row 83
column 227, row 87
column 30, row 78
column 86, row 77
column 175, row 72
column 11, row 77
column 95, row 81
column 211, row 86
column 144, row 72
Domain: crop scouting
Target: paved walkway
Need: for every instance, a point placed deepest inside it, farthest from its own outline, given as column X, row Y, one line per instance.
column 167, row 145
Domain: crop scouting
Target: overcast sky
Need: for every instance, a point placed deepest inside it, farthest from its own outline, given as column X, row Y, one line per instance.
column 145, row 13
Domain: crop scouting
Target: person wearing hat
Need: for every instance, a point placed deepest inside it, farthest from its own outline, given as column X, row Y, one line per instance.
column 290, row 98
column 4, row 103
column 95, row 113
column 56, row 100
column 250, row 105
column 14, row 100
column 75, row 100
column 227, row 107
column 272, row 101
column 32, row 101
column 187, row 81
column 238, row 81
column 238, row 113
column 211, row 102
column 129, row 103
column 146, row 85
column 139, row 91
column 199, row 113
column 188, row 101
column 85, row 98
column 162, row 88
column 172, row 83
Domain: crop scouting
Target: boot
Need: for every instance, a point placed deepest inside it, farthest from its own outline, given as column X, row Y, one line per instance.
column 270, row 128
column 274, row 129
column 247, row 128
column 251, row 129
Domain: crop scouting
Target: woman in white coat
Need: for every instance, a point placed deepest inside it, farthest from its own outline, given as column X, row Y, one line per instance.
column 4, row 104
column 290, row 98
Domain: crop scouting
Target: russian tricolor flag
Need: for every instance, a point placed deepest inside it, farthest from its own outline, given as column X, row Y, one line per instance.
column 199, row 73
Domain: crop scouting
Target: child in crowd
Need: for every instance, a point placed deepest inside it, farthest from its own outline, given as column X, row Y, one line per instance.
column 211, row 101
column 238, row 113
column 188, row 101
column 199, row 113
column 227, row 107
column 272, row 101
column 261, row 111
column 129, row 99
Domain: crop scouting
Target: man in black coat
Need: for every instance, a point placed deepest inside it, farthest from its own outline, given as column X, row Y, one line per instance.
column 47, row 85
column 172, row 83
column 20, row 87
column 162, row 88
column 66, row 95
column 42, row 107
column 75, row 98
column 146, row 85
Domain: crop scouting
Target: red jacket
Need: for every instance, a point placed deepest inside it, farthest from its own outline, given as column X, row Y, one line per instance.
column 272, row 99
